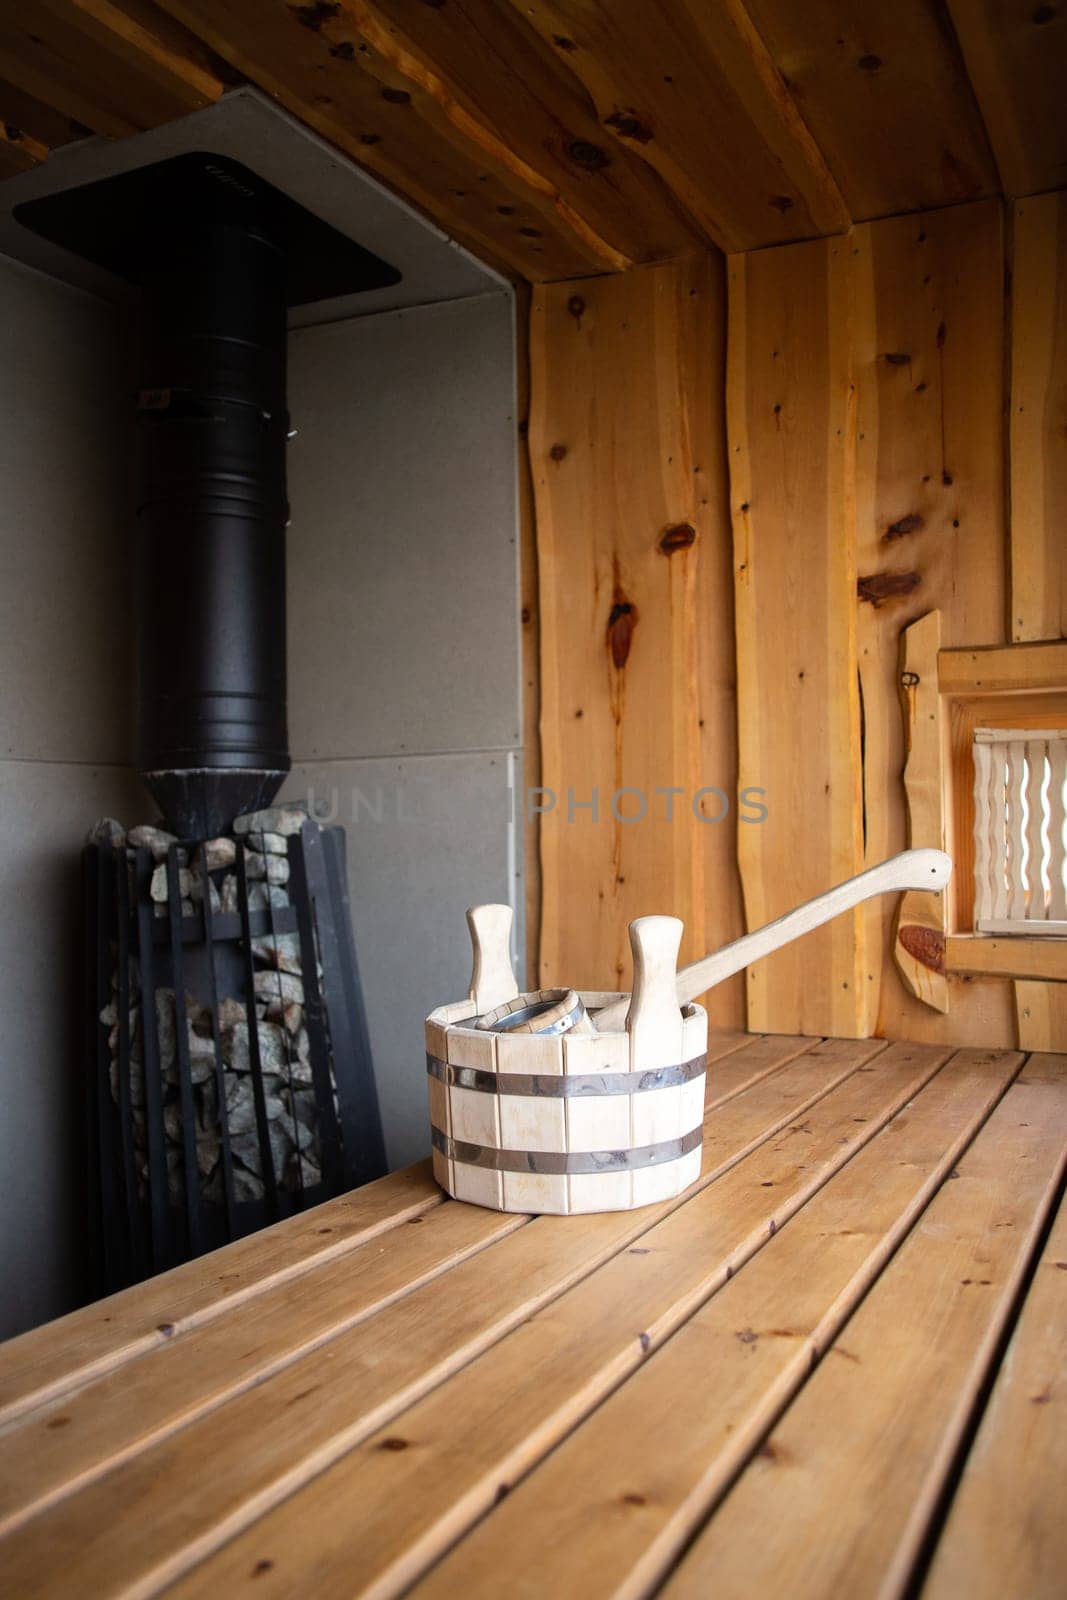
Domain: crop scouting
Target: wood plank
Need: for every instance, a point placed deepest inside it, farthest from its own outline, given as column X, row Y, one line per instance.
column 930, row 533
column 1041, row 1014
column 886, row 96
column 135, row 36
column 1007, row 669
column 1015, row 956
column 874, row 1432
column 1006, row 1533
column 619, row 1512
column 791, row 443
column 692, row 90
column 530, row 637
column 315, row 62
column 1016, row 59
column 49, row 127
column 1039, row 417
column 922, row 919
column 20, row 151
column 473, row 1438
column 231, row 1468
column 107, row 70
column 510, row 96
column 51, row 1360
column 633, row 553
column 67, row 1443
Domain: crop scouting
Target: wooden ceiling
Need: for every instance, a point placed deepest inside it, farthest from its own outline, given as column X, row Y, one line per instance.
column 557, row 138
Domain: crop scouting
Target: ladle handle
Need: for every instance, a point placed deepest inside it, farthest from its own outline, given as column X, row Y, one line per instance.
column 492, row 980
column 911, row 869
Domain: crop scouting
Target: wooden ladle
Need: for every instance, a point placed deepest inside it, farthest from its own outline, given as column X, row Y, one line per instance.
column 911, row 869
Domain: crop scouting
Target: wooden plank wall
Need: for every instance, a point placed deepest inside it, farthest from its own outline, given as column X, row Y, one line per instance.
column 627, row 452
column 896, row 442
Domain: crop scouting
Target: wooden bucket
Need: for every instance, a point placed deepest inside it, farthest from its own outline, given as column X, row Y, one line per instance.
column 578, row 1122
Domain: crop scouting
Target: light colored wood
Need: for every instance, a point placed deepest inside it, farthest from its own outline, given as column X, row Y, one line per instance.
column 1013, row 957
column 1017, row 64
column 922, row 919
column 232, row 1467
column 1016, row 908
column 916, row 1353
column 1041, row 1014
column 926, row 869
column 791, row 451
column 1038, row 416
column 657, row 1039
column 1013, row 669
column 692, row 90
column 1057, row 830
column 507, row 1410
column 929, row 367
column 76, row 1438
column 633, row 577
column 1002, row 713
column 530, row 1123
column 492, row 981
column 886, row 96
column 62, row 1355
column 621, row 1511
column 1005, row 1534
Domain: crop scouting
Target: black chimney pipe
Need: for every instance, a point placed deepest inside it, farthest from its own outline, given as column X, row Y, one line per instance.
column 212, row 739
column 220, row 254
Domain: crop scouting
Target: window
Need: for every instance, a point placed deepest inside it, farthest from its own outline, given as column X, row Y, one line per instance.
column 1020, row 808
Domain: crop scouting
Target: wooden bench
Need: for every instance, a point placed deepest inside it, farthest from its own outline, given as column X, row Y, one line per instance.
column 833, row 1368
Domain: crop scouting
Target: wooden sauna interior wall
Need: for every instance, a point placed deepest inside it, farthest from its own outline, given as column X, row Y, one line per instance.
column 790, row 285
column 894, row 439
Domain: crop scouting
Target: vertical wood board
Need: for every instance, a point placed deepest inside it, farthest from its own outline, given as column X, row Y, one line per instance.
column 790, row 424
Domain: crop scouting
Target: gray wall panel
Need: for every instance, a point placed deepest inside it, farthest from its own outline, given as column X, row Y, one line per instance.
column 426, row 839
column 403, row 563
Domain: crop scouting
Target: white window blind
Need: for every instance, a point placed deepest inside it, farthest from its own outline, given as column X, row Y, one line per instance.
column 1020, row 808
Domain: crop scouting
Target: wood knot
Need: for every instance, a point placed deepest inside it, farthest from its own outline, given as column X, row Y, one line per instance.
column 345, row 51
column 924, row 945
column 629, row 126
column 869, row 63
column 879, row 587
column 896, row 358
column 575, row 306
column 621, row 624
column 393, row 1444
column 679, row 536
column 782, row 203
column 902, row 527
column 558, row 452
column 396, row 97
column 585, row 154
column 313, row 16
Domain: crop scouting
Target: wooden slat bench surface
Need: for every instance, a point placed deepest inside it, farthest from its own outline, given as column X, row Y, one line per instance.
column 836, row 1366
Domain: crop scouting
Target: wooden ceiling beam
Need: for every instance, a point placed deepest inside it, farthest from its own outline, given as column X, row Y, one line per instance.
column 19, row 151
column 313, row 59
column 110, row 68
column 884, row 90
column 506, row 91
column 1017, row 60
column 48, row 127
column 147, row 42
column 691, row 88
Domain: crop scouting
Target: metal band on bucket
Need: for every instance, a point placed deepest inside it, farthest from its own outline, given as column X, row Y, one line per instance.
column 564, row 1086
column 555, row 1163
